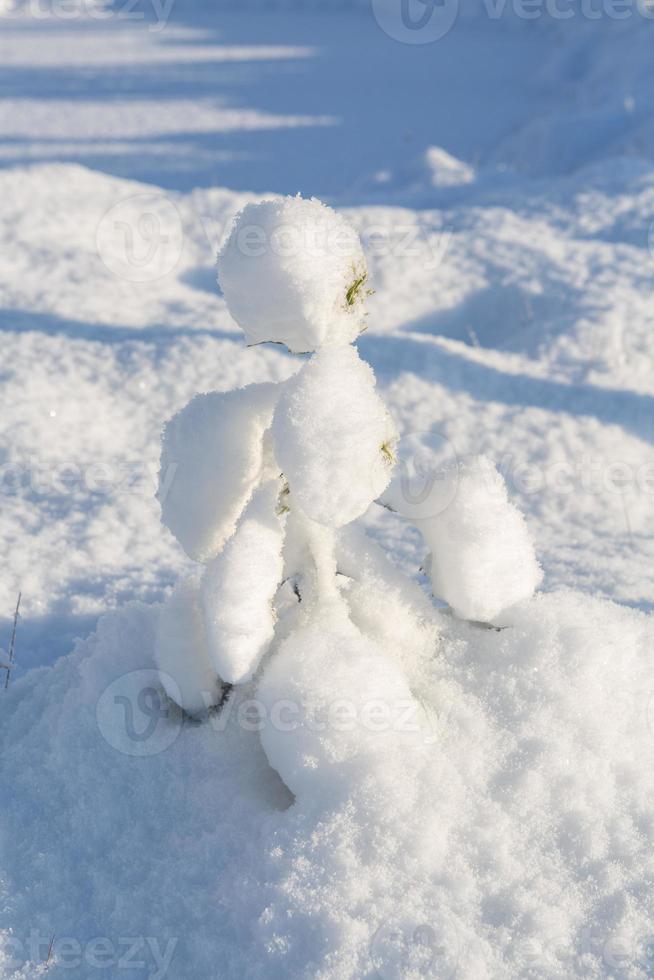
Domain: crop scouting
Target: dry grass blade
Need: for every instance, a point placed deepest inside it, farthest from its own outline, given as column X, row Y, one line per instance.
column 12, row 644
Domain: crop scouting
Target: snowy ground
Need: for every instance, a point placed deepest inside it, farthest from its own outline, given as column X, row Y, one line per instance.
column 502, row 179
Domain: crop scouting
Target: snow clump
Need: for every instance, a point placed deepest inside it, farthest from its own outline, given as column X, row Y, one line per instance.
column 212, row 457
column 293, row 272
column 334, row 437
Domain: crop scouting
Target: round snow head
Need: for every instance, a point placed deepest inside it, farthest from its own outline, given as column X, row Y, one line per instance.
column 293, row 271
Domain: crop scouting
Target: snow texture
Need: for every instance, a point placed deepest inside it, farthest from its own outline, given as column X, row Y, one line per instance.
column 517, row 835
column 293, row 271
column 212, row 458
column 239, row 587
column 334, row 437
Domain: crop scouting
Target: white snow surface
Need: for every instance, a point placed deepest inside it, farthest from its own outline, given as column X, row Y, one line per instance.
column 517, row 835
column 338, row 712
column 502, row 182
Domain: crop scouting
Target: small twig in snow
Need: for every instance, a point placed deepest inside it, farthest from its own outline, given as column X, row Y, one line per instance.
column 12, row 644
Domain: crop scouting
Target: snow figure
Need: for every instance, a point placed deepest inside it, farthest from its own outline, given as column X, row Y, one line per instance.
column 262, row 486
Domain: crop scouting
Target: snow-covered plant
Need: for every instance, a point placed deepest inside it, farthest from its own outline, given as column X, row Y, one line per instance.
column 268, row 482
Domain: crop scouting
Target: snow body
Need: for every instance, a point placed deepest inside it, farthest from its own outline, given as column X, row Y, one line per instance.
column 334, row 437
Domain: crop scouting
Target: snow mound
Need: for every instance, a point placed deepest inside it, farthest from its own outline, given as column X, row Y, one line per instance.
column 513, row 841
column 212, row 457
column 293, row 272
column 334, row 437
column 444, row 170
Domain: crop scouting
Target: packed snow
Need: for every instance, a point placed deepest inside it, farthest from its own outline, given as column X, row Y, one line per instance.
column 421, row 771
